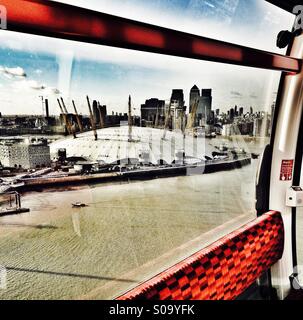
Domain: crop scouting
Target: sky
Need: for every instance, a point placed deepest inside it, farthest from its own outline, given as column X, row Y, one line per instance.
column 33, row 66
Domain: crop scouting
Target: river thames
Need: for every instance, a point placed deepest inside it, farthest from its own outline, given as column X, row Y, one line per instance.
column 127, row 233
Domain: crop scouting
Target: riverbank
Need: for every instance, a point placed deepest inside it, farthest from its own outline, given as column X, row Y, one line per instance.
column 142, row 174
column 9, row 212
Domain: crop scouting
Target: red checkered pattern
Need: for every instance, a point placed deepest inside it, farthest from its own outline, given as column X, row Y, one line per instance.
column 222, row 271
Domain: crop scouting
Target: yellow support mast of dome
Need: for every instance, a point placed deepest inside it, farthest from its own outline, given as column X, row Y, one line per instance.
column 130, row 121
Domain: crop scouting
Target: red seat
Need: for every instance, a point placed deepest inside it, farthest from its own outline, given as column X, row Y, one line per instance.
column 223, row 270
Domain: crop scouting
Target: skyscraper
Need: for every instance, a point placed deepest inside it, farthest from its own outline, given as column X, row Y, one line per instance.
column 96, row 111
column 153, row 112
column 99, row 110
column 236, row 111
column 177, row 97
column 177, row 108
column 193, row 96
column 232, row 114
column 205, row 106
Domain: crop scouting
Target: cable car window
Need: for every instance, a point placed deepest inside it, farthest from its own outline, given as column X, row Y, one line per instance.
column 253, row 23
column 182, row 141
column 299, row 244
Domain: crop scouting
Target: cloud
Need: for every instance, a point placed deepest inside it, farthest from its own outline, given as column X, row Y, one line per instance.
column 14, row 72
column 52, row 90
column 38, row 71
column 28, row 84
column 20, row 83
column 35, row 85
column 236, row 94
column 18, row 73
column 253, row 96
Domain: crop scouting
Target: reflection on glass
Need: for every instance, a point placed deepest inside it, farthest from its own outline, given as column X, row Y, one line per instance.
column 165, row 164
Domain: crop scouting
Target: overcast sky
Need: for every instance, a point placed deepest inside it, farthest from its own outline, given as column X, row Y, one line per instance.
column 32, row 66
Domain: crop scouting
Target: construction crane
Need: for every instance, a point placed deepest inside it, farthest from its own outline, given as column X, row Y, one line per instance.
column 190, row 126
column 130, row 122
column 167, row 117
column 64, row 117
column 193, row 115
column 80, row 125
column 71, row 129
column 63, row 105
column 179, row 119
column 92, row 120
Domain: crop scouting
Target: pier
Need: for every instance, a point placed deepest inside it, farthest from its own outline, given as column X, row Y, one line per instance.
column 146, row 173
column 14, row 201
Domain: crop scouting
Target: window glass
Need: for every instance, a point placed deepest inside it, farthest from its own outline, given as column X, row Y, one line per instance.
column 109, row 213
column 254, row 23
column 299, row 225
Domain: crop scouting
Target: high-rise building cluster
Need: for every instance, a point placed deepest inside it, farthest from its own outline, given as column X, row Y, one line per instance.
column 171, row 114
column 204, row 110
column 201, row 115
column 154, row 111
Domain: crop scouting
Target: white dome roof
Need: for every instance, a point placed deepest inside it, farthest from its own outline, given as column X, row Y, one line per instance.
column 113, row 144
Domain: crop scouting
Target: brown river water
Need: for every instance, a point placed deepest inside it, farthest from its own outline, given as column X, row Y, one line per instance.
column 127, row 233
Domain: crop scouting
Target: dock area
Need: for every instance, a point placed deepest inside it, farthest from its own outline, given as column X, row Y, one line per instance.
column 9, row 212
column 139, row 174
column 13, row 199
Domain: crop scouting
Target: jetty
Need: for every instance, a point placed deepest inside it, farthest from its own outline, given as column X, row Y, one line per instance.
column 14, row 204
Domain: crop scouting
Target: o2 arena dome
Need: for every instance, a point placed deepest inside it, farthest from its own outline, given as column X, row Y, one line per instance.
column 136, row 144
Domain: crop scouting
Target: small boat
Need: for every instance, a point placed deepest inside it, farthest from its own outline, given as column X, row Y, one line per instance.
column 78, row 205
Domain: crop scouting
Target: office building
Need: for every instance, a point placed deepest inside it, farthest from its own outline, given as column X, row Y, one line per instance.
column 25, row 155
column 178, row 109
column 153, row 113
